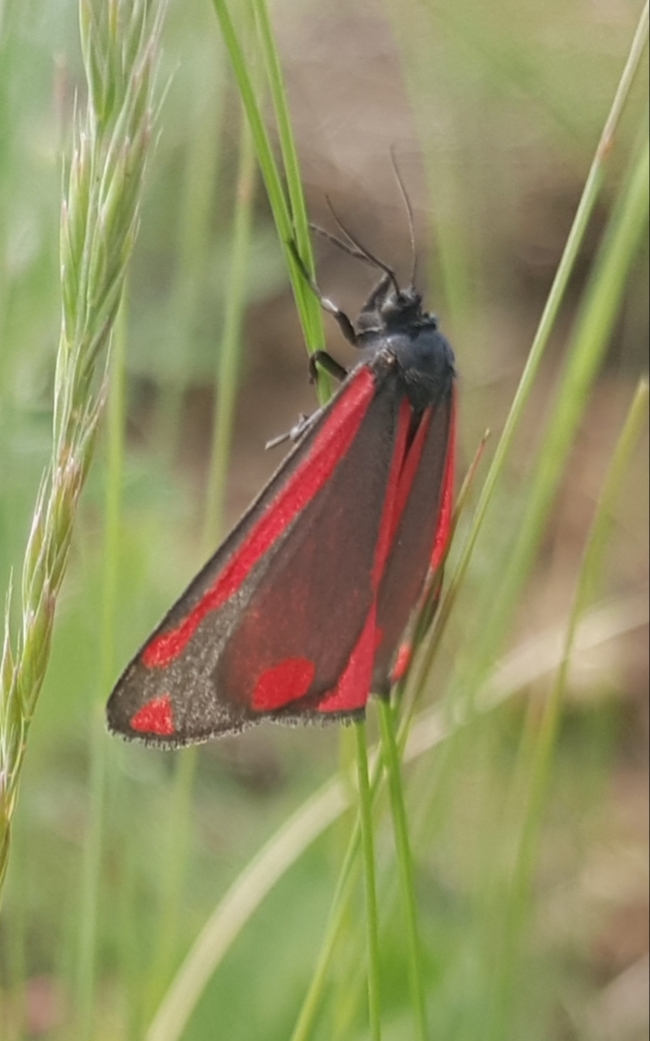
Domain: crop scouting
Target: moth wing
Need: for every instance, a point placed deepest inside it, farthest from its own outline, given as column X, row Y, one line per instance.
column 420, row 531
column 281, row 621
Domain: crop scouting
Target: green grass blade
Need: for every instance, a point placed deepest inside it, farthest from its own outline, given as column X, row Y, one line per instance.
column 235, row 908
column 595, row 322
column 92, row 866
column 202, row 179
column 291, row 164
column 372, row 914
column 566, row 266
column 542, row 756
column 227, row 377
column 341, row 901
column 268, row 166
column 391, row 758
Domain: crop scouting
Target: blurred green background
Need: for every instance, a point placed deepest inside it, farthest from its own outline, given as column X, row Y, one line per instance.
column 494, row 111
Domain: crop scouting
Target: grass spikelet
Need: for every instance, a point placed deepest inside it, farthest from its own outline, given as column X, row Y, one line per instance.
column 99, row 220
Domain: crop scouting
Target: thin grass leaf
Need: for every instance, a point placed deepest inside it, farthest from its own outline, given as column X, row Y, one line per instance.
column 202, row 178
column 86, row 968
column 368, row 860
column 552, row 306
column 539, row 764
column 284, row 220
column 229, row 358
column 390, row 755
column 291, row 165
column 601, row 305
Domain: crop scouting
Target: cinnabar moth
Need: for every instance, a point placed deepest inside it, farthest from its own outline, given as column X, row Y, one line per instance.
column 299, row 615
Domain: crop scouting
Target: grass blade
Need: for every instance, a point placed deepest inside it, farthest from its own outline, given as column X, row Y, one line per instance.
column 542, row 757
column 391, row 758
column 372, row 915
column 594, row 326
column 566, row 266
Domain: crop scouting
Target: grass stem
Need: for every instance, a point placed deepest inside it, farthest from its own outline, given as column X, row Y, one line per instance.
column 91, row 877
column 391, row 759
column 368, row 852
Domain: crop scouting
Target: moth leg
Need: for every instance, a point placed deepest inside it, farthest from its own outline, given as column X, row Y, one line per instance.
column 342, row 320
column 301, row 427
column 327, row 362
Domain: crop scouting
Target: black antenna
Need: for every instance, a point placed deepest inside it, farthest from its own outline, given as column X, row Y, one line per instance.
column 351, row 252
column 409, row 214
column 365, row 253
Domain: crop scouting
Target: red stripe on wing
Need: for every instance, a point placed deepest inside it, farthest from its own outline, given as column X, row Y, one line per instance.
column 387, row 528
column 408, row 472
column 421, row 524
column 443, row 529
column 441, row 540
column 352, row 690
column 402, row 662
column 332, row 441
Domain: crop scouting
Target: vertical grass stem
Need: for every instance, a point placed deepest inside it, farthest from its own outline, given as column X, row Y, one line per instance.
column 391, row 759
column 368, row 853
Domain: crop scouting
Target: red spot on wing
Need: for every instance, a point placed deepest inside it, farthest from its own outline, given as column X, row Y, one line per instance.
column 352, row 690
column 286, row 682
column 443, row 528
column 155, row 717
column 331, row 443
